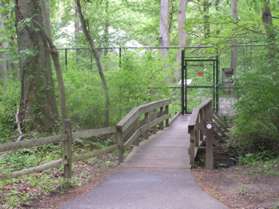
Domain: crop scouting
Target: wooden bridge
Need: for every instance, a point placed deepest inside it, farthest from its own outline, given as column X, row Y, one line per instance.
column 157, row 170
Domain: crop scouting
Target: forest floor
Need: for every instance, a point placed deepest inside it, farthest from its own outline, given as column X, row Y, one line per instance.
column 241, row 187
column 45, row 190
column 56, row 198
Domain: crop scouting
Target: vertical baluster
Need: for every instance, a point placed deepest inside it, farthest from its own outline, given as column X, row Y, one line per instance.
column 167, row 113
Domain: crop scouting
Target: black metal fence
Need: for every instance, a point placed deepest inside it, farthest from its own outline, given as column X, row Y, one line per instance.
column 117, row 58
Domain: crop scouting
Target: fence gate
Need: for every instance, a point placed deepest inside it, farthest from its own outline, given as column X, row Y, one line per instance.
column 199, row 80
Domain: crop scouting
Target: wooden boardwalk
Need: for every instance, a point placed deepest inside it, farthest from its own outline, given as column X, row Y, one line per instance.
column 155, row 175
column 166, row 149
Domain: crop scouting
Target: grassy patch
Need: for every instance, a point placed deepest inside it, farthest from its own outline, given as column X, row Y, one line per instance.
column 22, row 191
column 262, row 163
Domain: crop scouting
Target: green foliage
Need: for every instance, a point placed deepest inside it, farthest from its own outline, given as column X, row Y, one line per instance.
column 23, row 189
column 29, row 157
column 262, row 163
column 9, row 96
column 256, row 124
column 141, row 78
column 253, row 159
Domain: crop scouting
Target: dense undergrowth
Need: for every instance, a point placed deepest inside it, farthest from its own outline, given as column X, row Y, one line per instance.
column 140, row 79
column 256, row 125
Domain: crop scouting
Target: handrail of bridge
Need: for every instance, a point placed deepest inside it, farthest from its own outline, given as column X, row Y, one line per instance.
column 200, row 129
column 138, row 121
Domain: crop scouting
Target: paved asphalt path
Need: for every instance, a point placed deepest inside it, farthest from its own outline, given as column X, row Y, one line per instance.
column 155, row 175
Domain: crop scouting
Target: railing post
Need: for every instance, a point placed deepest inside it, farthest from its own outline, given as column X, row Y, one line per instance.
column 167, row 112
column 120, row 144
column 145, row 121
column 161, row 125
column 67, row 150
column 198, row 131
column 209, row 157
column 191, row 150
column 209, row 153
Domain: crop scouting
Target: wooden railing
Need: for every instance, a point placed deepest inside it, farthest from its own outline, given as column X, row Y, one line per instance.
column 200, row 128
column 138, row 121
column 134, row 124
column 67, row 140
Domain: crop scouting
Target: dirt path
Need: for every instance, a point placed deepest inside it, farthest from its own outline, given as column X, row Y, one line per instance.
column 240, row 187
column 155, row 176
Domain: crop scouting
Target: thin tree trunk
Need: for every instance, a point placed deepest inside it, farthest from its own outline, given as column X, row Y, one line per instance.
column 206, row 22
column 77, row 32
column 96, row 55
column 181, row 33
column 3, row 57
column 59, row 74
column 77, row 26
column 270, row 34
column 164, row 26
column 38, row 109
column 171, row 14
column 234, row 8
column 106, row 30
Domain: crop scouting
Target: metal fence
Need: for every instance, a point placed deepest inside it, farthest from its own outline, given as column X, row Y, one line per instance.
column 117, row 58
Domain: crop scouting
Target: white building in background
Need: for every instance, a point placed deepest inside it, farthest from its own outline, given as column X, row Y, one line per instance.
column 186, row 82
column 118, row 37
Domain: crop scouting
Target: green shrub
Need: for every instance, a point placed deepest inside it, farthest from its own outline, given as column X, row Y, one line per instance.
column 140, row 79
column 262, row 163
column 257, row 120
column 9, row 97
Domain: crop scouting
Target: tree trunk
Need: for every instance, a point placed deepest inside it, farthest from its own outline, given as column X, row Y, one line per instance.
column 77, row 26
column 171, row 14
column 270, row 34
column 234, row 41
column 164, row 26
column 77, row 33
column 181, row 33
column 3, row 57
column 206, row 22
column 106, row 30
column 38, row 109
column 96, row 55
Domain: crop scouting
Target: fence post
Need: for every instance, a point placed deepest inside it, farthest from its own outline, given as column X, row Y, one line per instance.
column 119, row 137
column 167, row 112
column 120, row 57
column 66, row 59
column 68, row 150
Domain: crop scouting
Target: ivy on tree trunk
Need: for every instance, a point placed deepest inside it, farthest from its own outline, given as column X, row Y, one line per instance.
column 38, row 108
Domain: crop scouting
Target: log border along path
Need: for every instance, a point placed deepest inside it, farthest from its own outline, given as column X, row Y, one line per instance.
column 155, row 175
